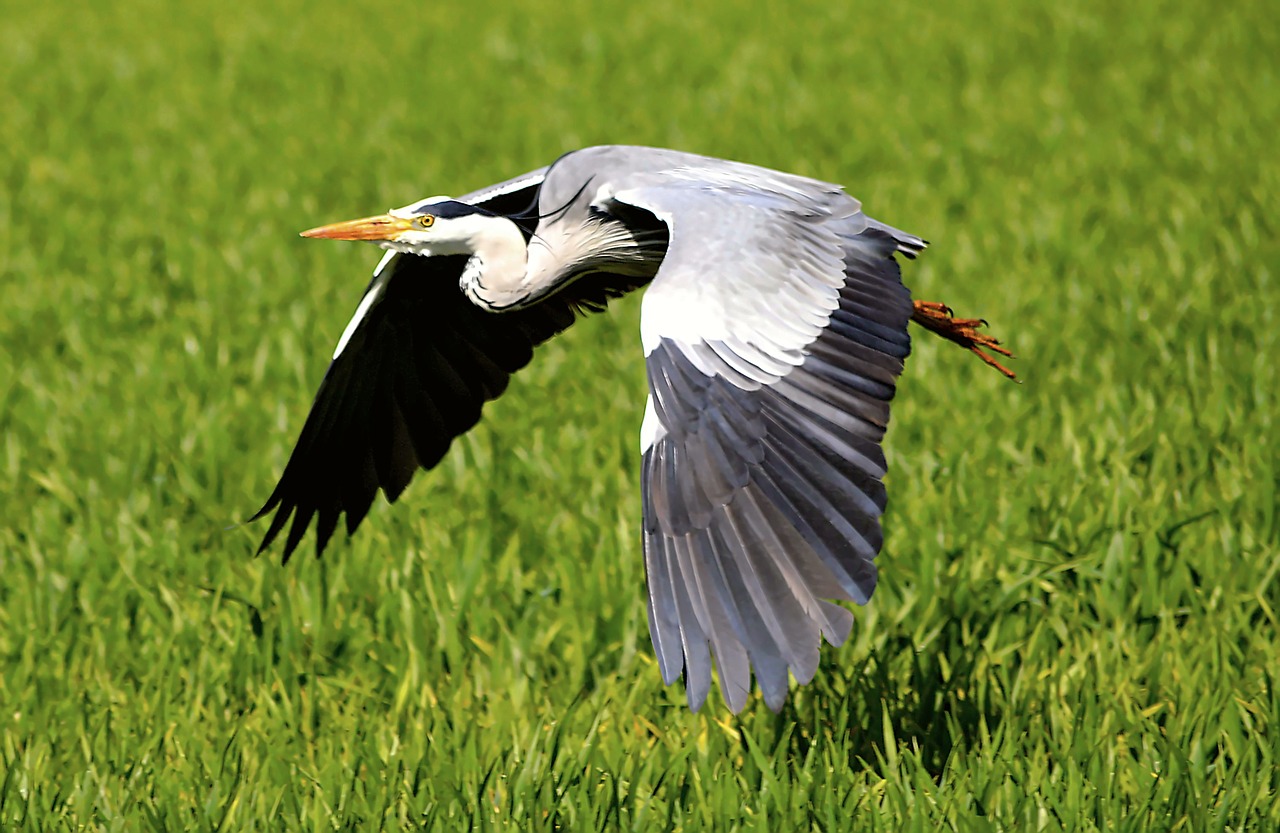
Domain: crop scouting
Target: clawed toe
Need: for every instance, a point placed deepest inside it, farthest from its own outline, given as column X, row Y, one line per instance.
column 938, row 318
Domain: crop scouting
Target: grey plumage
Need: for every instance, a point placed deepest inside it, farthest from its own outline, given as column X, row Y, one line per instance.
column 774, row 327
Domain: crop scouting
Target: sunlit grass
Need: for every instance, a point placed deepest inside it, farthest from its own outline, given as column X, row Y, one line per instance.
column 1076, row 626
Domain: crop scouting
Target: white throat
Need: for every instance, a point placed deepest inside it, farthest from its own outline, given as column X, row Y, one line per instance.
column 494, row 277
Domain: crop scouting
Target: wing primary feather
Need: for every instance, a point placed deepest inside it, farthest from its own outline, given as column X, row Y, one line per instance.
column 726, row 652
column 352, row 454
column 845, row 550
column 358, row 491
column 490, row 379
column 787, row 625
column 318, row 423
column 724, row 623
column 277, row 523
column 805, row 574
column 326, row 523
column 697, row 657
column 427, row 428
column 850, row 492
column 393, row 456
column 458, row 406
column 664, row 621
column 301, row 519
column 472, row 376
column 403, row 460
column 841, row 619
column 767, row 661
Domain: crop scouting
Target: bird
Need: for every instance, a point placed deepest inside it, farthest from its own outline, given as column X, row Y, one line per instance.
column 774, row 329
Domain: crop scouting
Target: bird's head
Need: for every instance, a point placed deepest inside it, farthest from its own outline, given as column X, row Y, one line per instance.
column 434, row 226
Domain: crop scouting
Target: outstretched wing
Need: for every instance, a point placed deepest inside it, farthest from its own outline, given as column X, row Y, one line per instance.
column 410, row 373
column 774, row 332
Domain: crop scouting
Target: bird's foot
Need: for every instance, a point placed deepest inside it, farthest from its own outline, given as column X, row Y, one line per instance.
column 938, row 318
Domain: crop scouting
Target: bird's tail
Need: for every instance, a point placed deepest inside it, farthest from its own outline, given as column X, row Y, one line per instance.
column 908, row 244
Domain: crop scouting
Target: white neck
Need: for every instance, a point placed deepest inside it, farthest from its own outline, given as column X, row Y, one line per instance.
column 495, row 277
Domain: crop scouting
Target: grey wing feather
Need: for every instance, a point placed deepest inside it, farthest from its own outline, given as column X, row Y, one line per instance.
column 774, row 332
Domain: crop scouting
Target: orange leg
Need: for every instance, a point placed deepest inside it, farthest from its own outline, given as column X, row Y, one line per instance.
column 937, row 318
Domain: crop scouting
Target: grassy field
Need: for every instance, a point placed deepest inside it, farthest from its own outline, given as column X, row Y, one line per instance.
column 1076, row 627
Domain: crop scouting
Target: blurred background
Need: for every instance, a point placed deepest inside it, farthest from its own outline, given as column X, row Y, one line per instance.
column 1076, row 619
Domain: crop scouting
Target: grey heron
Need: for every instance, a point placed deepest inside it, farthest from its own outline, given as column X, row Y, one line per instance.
column 774, row 328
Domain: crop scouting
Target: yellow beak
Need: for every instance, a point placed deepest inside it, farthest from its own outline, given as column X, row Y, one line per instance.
column 381, row 227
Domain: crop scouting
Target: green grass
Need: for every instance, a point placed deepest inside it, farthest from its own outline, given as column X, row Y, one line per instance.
column 1076, row 627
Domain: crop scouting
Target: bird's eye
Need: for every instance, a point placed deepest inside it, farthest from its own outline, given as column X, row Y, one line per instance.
column 425, row 220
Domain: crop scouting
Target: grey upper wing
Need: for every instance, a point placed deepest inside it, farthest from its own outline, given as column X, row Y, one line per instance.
column 774, row 332
column 411, row 372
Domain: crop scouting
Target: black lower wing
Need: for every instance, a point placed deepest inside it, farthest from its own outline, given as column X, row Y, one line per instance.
column 415, row 373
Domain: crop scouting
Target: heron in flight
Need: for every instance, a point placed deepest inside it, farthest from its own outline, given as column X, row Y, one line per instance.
column 774, row 328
